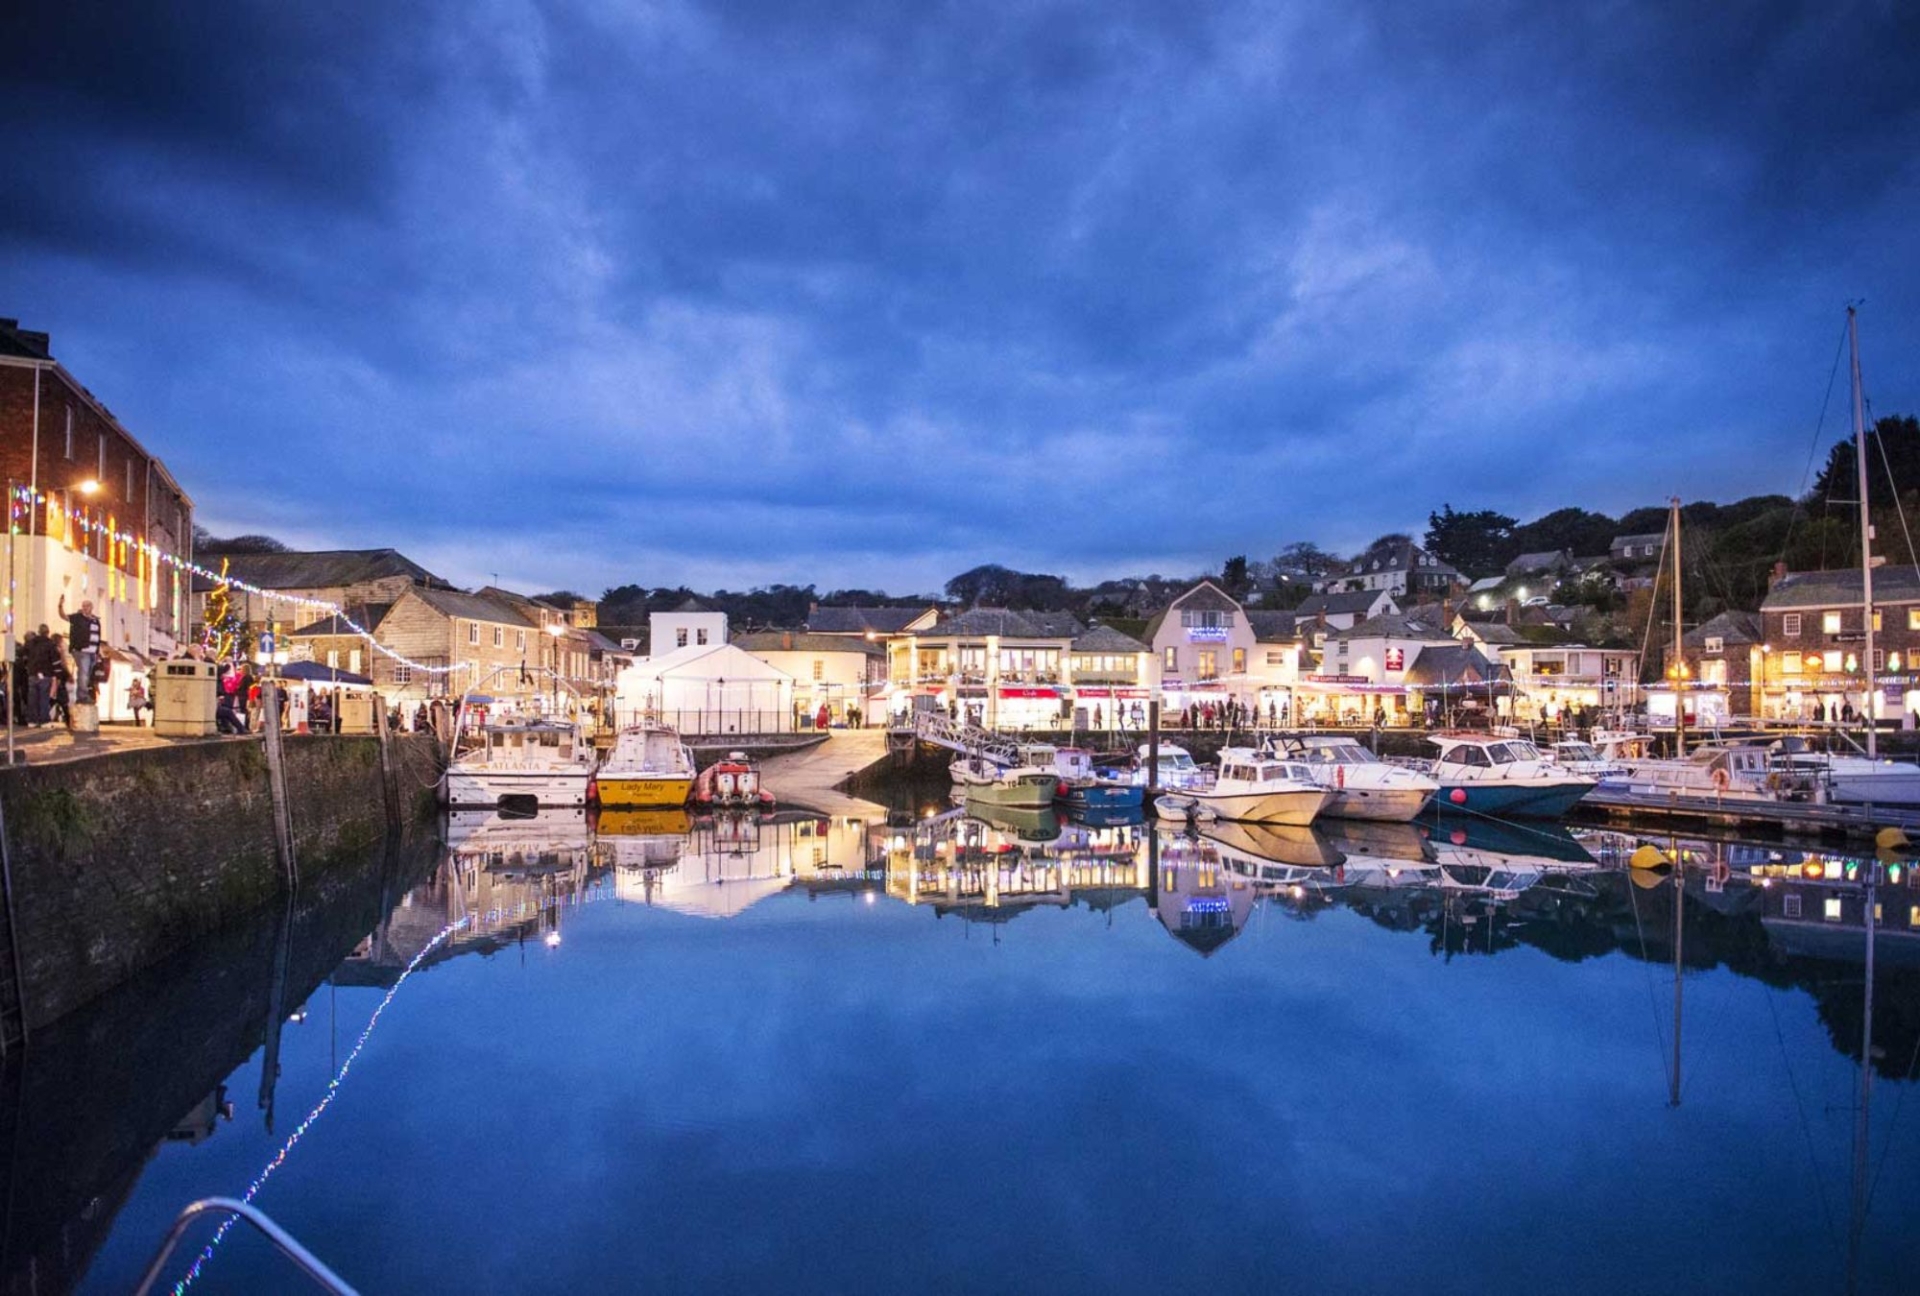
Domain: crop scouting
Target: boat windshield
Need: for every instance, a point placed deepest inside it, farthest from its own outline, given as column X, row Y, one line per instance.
column 1179, row 761
column 1578, row 751
column 1340, row 751
column 1506, row 753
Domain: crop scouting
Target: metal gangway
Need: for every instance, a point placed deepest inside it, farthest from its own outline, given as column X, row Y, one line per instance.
column 942, row 730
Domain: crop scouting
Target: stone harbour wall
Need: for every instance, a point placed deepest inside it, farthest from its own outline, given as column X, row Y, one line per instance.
column 121, row 859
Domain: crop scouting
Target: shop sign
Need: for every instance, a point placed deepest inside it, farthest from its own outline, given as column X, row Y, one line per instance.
column 1396, row 659
column 1207, row 634
column 1338, row 679
column 1029, row 693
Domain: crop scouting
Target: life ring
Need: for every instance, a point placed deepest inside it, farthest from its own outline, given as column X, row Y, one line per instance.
column 1720, row 780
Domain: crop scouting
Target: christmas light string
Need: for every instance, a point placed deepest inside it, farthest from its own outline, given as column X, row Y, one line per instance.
column 114, row 536
column 326, row 1100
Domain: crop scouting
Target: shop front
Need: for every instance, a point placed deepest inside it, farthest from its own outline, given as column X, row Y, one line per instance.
column 1030, row 706
column 1349, row 699
column 1113, row 706
column 1704, row 705
column 1814, row 698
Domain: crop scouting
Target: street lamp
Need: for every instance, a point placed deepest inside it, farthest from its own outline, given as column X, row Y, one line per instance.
column 555, row 631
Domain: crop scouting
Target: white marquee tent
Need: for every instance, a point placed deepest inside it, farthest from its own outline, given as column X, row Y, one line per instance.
column 706, row 689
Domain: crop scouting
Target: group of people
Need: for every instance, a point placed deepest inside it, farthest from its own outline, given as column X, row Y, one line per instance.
column 52, row 672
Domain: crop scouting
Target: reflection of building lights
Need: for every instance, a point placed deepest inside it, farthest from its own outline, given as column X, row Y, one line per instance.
column 553, row 939
column 1299, row 892
column 870, row 897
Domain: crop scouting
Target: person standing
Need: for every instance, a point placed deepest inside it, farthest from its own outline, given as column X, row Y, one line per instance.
column 62, row 675
column 83, row 640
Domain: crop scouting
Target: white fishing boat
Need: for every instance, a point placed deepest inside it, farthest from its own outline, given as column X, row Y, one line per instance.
column 517, row 761
column 1584, row 758
column 1253, row 787
column 1176, row 771
column 1363, row 785
column 1032, row 783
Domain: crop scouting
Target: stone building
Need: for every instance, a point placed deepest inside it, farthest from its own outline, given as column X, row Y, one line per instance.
column 340, row 577
column 1814, row 642
column 78, row 477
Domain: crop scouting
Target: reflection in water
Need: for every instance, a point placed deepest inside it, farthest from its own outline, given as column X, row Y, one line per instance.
column 1776, row 917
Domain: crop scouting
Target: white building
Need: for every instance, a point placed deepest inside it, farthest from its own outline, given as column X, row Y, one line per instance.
column 1208, row 648
column 691, row 625
column 841, row 672
column 708, row 689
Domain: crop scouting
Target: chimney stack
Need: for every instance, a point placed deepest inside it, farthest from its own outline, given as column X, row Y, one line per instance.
column 1779, row 574
column 1513, row 611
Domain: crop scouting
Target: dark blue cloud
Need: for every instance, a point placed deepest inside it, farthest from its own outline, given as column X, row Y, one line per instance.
column 870, row 293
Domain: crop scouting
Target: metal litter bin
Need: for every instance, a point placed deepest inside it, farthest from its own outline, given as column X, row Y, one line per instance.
column 185, row 693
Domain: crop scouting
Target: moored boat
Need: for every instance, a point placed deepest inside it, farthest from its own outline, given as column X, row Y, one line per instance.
column 516, row 762
column 1087, row 788
column 648, row 767
column 1496, row 775
column 732, row 781
column 1253, row 787
column 1363, row 785
column 1032, row 784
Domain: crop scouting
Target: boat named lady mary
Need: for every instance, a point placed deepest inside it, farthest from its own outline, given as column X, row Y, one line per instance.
column 648, row 766
column 1502, row 776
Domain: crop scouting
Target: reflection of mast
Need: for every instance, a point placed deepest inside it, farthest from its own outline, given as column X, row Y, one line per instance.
column 276, row 1012
column 1679, row 936
column 1857, row 1224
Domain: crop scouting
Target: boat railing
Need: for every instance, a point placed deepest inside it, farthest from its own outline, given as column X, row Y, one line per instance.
column 284, row 1242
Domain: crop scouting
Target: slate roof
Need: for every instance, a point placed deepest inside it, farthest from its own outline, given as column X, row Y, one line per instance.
column 1349, row 601
column 368, row 615
column 1205, row 597
column 1274, row 627
column 1419, row 626
column 863, row 620
column 1644, row 538
column 317, row 569
column 1495, row 632
column 1403, row 556
column 1829, row 589
column 472, row 607
column 1107, row 640
column 800, row 641
column 1733, row 627
column 1451, row 665
column 1008, row 624
column 1547, row 560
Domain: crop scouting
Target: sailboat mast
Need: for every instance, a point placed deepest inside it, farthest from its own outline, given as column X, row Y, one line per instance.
column 1862, row 1119
column 1679, row 671
column 1871, row 709
column 1679, row 948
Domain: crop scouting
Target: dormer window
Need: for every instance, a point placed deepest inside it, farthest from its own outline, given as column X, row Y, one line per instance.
column 1715, row 644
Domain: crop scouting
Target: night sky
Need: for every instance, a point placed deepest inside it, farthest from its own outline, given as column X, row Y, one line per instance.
column 583, row 294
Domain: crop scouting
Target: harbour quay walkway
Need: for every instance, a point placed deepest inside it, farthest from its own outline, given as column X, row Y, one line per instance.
column 812, row 778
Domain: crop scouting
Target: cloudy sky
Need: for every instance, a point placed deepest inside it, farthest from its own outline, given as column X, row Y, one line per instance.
column 866, row 294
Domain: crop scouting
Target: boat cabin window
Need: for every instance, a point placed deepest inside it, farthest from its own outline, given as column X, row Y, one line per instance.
column 1577, row 751
column 1469, row 756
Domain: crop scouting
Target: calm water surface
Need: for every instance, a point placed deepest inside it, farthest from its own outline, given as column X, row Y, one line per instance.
column 853, row 1054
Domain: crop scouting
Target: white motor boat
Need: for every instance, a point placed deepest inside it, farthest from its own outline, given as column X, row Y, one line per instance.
column 1363, row 785
column 1503, row 776
column 1858, row 780
column 1721, row 772
column 1176, row 771
column 517, row 762
column 1253, row 787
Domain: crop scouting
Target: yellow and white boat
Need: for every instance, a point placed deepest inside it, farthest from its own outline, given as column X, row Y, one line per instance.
column 648, row 766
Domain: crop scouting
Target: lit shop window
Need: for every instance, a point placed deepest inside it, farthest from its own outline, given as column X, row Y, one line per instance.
column 1829, row 623
column 1831, row 909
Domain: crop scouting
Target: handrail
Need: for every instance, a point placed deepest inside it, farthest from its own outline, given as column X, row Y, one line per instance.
column 284, row 1241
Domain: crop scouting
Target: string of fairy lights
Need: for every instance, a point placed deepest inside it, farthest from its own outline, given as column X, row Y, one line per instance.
column 124, row 548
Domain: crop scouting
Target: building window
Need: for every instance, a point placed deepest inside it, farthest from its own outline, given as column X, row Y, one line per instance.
column 520, row 641
column 333, row 659
column 69, row 431
column 1790, row 625
column 1790, row 906
column 1876, row 620
column 1913, row 915
column 402, row 673
column 1789, row 663
column 1715, row 644
column 819, row 670
column 1829, row 623
column 1831, row 910
column 499, row 637
column 1879, row 659
column 1171, row 659
column 129, row 481
column 680, row 638
column 1209, row 664
column 1830, row 662
column 1913, row 618
column 353, row 661
column 100, row 469
column 473, row 632
column 700, row 635
column 1239, row 661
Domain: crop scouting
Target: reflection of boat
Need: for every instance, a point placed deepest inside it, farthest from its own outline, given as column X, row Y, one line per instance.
column 1119, row 817
column 1503, row 776
column 1363, row 785
column 1252, row 786
column 642, row 823
column 631, row 839
column 648, row 766
column 732, row 781
column 1387, row 843
column 1035, row 827
column 558, row 823
column 553, row 841
column 1272, row 844
column 1471, row 840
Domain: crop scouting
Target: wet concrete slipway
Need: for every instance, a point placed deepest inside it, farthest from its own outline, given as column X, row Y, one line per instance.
column 898, row 1047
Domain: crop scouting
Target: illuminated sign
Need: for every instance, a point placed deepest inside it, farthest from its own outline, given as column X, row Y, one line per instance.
column 1396, row 659
column 1207, row 634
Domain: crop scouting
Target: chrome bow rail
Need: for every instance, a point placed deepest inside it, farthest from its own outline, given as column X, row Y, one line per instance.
column 281, row 1239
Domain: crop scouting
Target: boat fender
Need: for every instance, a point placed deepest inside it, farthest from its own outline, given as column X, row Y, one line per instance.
column 1458, row 796
column 1720, row 780
column 1060, row 788
column 593, row 791
column 1340, row 776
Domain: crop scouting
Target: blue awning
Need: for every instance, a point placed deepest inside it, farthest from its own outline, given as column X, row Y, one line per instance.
column 314, row 673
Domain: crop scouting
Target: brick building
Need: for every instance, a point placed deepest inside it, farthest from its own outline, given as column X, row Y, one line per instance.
column 73, row 459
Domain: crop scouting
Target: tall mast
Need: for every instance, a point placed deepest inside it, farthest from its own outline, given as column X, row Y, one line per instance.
column 1679, row 671
column 1862, row 1114
column 1871, row 709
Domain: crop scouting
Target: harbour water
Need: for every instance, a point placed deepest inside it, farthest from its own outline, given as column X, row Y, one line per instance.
column 910, row 1050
